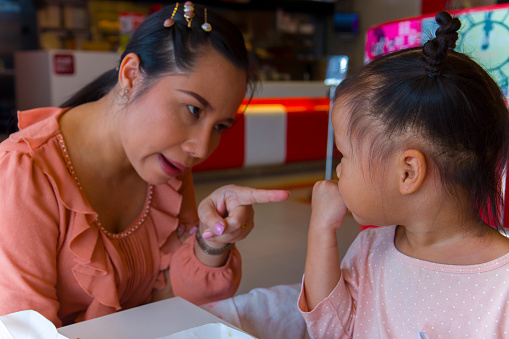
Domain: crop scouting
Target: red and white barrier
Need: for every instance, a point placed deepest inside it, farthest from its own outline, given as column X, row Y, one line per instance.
column 272, row 132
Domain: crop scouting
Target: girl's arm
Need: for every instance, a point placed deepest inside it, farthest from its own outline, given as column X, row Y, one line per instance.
column 322, row 270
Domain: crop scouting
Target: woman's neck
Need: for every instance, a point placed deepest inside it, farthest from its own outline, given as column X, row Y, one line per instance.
column 94, row 143
column 111, row 185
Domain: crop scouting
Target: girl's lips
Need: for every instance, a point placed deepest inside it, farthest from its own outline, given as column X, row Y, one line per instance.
column 171, row 169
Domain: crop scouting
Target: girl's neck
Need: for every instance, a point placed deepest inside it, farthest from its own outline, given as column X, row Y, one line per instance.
column 453, row 246
column 437, row 227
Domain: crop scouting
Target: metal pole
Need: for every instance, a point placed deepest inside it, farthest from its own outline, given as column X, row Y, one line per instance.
column 330, row 139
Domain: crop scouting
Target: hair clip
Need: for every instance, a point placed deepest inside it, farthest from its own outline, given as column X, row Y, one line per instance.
column 169, row 22
column 189, row 12
column 206, row 26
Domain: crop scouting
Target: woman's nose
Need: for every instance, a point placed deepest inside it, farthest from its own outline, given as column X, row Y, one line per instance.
column 198, row 145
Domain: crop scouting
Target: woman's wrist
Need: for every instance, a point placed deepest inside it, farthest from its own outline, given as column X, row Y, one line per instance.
column 211, row 249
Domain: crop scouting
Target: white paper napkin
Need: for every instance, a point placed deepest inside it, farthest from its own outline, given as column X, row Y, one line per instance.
column 210, row 331
column 27, row 325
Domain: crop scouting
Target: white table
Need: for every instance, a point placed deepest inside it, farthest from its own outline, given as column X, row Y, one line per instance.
column 149, row 321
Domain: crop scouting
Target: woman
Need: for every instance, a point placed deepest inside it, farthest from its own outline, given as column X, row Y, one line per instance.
column 98, row 195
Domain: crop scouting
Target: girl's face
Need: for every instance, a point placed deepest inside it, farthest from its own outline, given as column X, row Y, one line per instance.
column 361, row 185
column 178, row 122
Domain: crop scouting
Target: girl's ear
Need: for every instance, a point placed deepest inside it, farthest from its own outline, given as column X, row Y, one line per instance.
column 412, row 171
column 129, row 71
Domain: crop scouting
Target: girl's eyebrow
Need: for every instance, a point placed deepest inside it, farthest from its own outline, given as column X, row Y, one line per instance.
column 198, row 97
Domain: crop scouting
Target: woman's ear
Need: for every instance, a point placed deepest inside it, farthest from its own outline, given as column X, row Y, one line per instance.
column 412, row 171
column 129, row 71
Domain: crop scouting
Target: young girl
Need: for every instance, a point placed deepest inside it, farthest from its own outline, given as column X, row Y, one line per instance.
column 424, row 138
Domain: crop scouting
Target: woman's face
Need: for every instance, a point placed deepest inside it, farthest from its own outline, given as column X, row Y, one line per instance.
column 178, row 122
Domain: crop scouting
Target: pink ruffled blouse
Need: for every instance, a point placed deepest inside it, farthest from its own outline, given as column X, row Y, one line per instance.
column 55, row 259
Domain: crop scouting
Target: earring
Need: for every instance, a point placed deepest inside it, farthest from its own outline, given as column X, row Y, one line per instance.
column 206, row 26
column 122, row 99
column 169, row 22
column 189, row 12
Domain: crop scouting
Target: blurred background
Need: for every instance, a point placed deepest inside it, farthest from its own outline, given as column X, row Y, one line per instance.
column 288, row 40
column 51, row 48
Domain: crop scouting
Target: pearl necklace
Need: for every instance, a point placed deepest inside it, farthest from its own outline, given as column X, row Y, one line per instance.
column 128, row 231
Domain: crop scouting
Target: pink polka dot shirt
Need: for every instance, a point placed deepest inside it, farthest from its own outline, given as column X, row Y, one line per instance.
column 385, row 294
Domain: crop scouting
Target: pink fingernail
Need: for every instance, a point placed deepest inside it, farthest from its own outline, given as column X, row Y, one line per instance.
column 193, row 230
column 207, row 234
column 180, row 229
column 219, row 228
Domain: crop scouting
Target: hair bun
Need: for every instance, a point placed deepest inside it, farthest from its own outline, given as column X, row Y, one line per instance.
column 448, row 29
column 435, row 50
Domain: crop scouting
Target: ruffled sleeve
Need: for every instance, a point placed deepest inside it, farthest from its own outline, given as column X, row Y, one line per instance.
column 29, row 238
column 201, row 284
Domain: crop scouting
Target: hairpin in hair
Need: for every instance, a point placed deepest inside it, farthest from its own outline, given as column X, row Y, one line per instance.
column 206, row 26
column 169, row 22
column 189, row 12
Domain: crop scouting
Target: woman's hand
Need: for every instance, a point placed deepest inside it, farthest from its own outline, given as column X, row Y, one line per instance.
column 227, row 215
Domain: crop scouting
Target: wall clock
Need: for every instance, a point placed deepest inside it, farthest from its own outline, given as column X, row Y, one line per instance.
column 484, row 36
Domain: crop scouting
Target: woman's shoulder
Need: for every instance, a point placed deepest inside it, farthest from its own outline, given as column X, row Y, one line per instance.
column 36, row 127
column 33, row 155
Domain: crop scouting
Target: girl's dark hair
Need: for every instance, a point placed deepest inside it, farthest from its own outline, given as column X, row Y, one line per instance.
column 442, row 102
column 165, row 50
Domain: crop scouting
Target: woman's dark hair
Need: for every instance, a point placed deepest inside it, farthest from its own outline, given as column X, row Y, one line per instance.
column 165, row 50
column 436, row 95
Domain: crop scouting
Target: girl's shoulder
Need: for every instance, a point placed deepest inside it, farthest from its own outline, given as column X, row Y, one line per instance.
column 372, row 241
column 385, row 234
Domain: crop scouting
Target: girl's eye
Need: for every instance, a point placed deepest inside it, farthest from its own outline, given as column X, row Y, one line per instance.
column 195, row 111
column 221, row 127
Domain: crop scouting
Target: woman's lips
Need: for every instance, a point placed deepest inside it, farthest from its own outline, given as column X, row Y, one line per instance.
column 170, row 168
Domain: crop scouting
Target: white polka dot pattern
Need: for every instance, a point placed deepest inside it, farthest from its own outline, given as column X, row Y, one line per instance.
column 385, row 294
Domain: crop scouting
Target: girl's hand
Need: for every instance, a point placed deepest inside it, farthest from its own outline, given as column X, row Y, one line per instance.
column 226, row 215
column 327, row 206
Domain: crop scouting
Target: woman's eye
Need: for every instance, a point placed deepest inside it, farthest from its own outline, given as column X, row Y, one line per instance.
column 195, row 111
column 222, row 127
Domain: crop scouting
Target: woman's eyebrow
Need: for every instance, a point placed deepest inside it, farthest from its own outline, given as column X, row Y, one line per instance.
column 198, row 97
column 229, row 121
